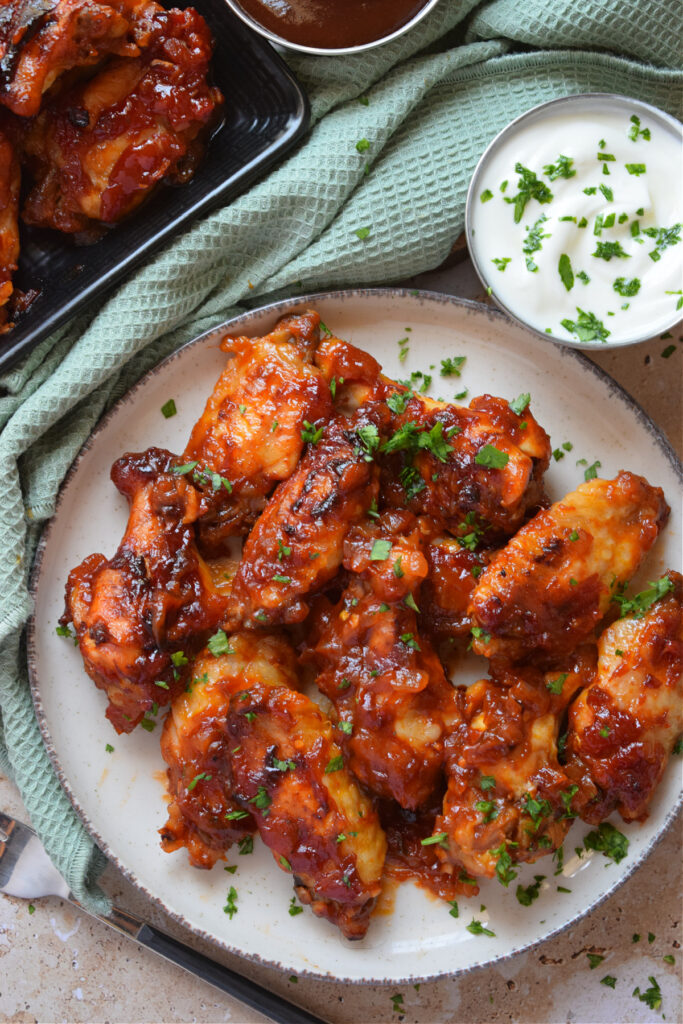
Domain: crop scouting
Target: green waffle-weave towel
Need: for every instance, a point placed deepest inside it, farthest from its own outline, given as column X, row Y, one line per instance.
column 435, row 98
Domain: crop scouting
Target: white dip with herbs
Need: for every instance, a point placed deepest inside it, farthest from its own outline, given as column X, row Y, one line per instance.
column 576, row 224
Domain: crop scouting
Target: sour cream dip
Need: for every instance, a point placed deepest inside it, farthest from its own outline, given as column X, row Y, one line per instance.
column 575, row 220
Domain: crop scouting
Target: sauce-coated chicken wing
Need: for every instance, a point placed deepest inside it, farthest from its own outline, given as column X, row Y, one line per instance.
column 547, row 590
column 288, row 770
column 41, row 39
column 250, row 431
column 451, row 463
column 135, row 613
column 508, row 798
column 98, row 149
column 392, row 698
column 296, row 545
column 622, row 729
column 9, row 223
column 203, row 816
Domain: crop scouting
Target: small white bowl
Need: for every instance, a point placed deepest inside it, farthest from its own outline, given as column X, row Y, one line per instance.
column 582, row 105
column 236, row 6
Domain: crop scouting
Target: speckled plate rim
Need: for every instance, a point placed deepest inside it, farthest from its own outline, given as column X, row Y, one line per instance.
column 618, row 100
column 233, row 326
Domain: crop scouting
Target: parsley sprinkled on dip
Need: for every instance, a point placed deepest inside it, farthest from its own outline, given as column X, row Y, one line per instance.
column 585, row 219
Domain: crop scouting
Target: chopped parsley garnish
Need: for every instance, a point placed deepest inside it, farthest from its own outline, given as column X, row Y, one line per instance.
column 594, row 959
column 362, row 233
column 335, row 764
column 607, row 193
column 161, row 683
column 667, row 352
column 168, row 409
column 488, row 809
column 627, row 288
column 529, row 187
column 652, row 996
column 533, row 241
column 439, row 839
column 311, row 434
column 669, row 959
column 219, row 644
column 381, row 549
column 242, row 409
column 555, row 685
column 452, row 366
column 294, row 907
column 368, row 435
column 664, row 237
column 409, row 602
column 635, row 131
column 504, row 870
column 397, row 1003
column 282, row 550
column 642, row 602
column 279, row 578
column 486, row 195
column 148, row 724
column 198, row 778
column 362, row 145
column 477, row 928
column 346, row 727
column 603, row 221
column 246, row 845
column 487, row 782
column 608, row 980
column 434, row 442
column 409, row 640
column 526, row 896
column 284, row 862
column 564, row 269
column 609, row 841
column 574, row 535
column 566, row 797
column 502, row 262
column 455, row 910
column 109, row 748
column 519, row 404
column 491, row 457
column 592, row 471
column 236, row 815
column 586, row 327
column 284, row 766
column 536, row 809
column 636, row 169
column 562, row 168
column 66, row 631
column 398, row 401
column 261, row 801
column 608, row 157
column 609, row 250
column 230, row 907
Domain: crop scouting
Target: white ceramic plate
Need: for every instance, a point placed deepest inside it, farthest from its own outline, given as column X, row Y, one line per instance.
column 120, row 795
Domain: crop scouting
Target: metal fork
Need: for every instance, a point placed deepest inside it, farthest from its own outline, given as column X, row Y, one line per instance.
column 27, row 871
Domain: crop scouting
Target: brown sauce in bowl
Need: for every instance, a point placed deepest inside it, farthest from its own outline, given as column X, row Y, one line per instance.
column 332, row 24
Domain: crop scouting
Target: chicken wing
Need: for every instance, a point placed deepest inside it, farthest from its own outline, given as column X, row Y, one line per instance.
column 623, row 728
column 508, row 798
column 97, row 149
column 251, row 429
column 296, row 545
column 135, row 614
column 41, row 39
column 288, row 771
column 450, row 463
column 547, row 590
column 388, row 687
column 9, row 222
column 203, row 816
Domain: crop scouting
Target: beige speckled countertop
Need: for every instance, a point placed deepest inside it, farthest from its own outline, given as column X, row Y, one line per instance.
column 58, row 964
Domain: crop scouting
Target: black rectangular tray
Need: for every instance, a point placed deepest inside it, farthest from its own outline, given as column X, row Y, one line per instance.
column 266, row 112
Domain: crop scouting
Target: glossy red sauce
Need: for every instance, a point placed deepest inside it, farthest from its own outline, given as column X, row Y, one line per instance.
column 332, row 24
